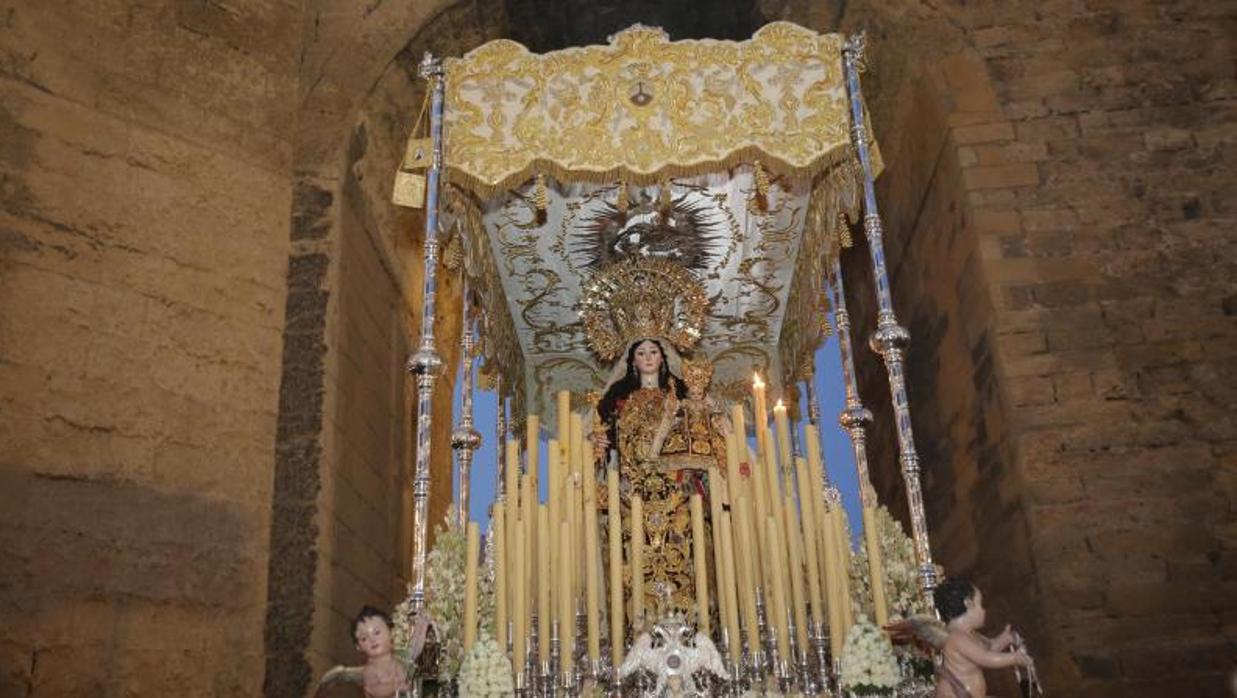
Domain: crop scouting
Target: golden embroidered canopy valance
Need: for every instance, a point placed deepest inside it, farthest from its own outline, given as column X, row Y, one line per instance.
column 643, row 108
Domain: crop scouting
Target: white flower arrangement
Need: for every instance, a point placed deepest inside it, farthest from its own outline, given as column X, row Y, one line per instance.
column 401, row 634
column 485, row 671
column 444, row 582
column 869, row 667
column 903, row 590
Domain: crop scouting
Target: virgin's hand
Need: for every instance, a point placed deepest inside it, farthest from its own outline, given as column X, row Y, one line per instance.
column 601, row 441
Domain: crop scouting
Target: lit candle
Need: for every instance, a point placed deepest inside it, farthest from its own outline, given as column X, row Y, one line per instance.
column 698, row 559
column 760, row 419
column 472, row 551
column 782, row 423
column 637, row 562
column 616, row 567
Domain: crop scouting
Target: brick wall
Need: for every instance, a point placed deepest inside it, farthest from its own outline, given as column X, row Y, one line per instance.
column 1087, row 182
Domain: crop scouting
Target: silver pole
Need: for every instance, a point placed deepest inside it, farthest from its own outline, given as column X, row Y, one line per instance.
column 854, row 418
column 426, row 364
column 890, row 339
column 465, row 440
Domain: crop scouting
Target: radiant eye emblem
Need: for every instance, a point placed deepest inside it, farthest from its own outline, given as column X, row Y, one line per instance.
column 640, row 95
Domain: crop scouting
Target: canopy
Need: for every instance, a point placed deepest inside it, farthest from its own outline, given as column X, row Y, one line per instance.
column 731, row 158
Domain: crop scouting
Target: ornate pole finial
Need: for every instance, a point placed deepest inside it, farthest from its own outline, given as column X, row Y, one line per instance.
column 855, row 50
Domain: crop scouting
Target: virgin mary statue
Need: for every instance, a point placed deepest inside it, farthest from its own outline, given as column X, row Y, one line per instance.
column 641, row 312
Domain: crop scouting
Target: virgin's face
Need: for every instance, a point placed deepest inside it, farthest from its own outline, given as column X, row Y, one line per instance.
column 647, row 358
column 373, row 637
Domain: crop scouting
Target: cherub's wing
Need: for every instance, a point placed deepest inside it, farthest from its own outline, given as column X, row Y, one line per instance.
column 341, row 674
column 920, row 629
column 707, row 657
column 637, row 656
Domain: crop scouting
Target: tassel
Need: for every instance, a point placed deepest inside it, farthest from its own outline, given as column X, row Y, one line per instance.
column 844, row 236
column 665, row 202
column 622, row 203
column 762, row 180
column 541, row 197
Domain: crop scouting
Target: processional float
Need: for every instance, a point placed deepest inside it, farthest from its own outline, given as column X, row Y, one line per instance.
column 696, row 193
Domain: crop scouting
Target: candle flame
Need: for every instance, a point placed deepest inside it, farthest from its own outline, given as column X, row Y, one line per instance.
column 756, row 382
column 779, row 406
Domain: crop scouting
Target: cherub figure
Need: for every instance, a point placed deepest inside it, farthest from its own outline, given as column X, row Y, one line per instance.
column 966, row 653
column 383, row 675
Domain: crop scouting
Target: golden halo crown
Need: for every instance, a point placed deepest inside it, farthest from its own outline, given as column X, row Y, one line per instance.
column 697, row 372
column 642, row 297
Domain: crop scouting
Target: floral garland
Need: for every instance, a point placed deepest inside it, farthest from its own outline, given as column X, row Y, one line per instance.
column 902, row 585
column 486, row 671
column 869, row 667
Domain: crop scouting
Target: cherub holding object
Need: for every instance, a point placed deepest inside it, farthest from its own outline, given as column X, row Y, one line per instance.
column 383, row 675
column 966, row 653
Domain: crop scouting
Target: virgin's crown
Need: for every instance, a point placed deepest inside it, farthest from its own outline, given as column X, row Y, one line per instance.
column 638, row 298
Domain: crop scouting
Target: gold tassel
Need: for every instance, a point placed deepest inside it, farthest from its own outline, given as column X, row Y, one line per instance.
column 541, row 197
column 844, row 236
column 762, row 180
column 665, row 199
column 622, row 203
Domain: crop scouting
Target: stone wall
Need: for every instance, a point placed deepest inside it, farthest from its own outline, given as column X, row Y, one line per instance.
column 1084, row 477
column 143, row 251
